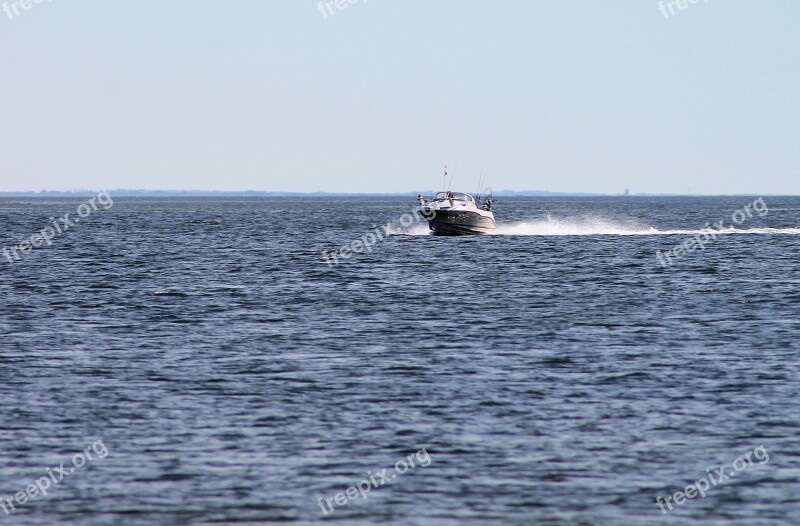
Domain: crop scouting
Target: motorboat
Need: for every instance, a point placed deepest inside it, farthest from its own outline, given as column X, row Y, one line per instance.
column 457, row 214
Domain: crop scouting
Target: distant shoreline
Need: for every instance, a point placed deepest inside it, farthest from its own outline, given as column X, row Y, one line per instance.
column 253, row 193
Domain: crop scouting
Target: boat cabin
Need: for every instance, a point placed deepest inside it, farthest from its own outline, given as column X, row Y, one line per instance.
column 455, row 196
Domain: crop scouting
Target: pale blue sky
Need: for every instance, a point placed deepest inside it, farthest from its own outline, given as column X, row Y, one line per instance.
column 575, row 96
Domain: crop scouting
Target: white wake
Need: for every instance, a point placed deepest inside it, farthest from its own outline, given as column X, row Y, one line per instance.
column 604, row 227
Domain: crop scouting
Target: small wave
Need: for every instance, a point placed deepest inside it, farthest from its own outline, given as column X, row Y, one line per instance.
column 203, row 222
column 170, row 293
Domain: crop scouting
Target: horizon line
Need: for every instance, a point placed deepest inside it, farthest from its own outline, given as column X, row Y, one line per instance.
column 270, row 193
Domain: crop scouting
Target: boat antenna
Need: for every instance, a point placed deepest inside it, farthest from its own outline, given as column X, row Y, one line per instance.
column 448, row 187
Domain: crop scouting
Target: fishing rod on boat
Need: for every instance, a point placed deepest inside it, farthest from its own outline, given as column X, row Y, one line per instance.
column 480, row 185
column 489, row 201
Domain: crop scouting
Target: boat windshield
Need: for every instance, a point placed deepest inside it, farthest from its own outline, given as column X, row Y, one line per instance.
column 457, row 196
